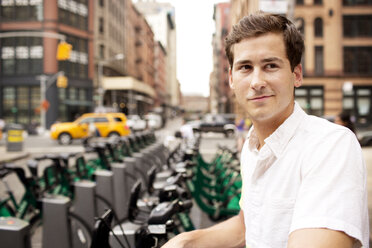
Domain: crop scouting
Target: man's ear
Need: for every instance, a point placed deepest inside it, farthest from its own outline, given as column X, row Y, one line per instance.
column 298, row 78
column 231, row 83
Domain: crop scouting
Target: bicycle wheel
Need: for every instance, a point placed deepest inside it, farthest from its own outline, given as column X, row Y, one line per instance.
column 80, row 233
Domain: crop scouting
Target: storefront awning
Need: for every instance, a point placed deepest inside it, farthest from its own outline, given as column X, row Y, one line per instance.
column 127, row 83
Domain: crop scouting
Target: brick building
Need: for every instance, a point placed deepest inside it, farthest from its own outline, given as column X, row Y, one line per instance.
column 337, row 63
column 25, row 57
column 221, row 95
column 128, row 84
column 160, row 75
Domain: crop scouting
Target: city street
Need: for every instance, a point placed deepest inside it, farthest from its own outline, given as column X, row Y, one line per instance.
column 36, row 145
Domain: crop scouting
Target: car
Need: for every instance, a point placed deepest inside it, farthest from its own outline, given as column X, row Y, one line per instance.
column 216, row 123
column 365, row 138
column 154, row 121
column 107, row 124
column 135, row 123
column 195, row 124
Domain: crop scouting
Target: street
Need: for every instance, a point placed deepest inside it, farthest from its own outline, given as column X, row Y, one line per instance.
column 36, row 145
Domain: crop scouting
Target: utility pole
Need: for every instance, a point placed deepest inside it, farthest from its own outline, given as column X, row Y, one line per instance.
column 45, row 83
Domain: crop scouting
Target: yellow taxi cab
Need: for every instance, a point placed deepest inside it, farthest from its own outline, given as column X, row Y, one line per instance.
column 107, row 124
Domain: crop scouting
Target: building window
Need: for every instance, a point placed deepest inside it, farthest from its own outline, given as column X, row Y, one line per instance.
column 300, row 24
column 358, row 102
column 73, row 13
column 356, row 2
column 21, row 10
column 9, row 104
column 299, row 2
column 102, row 51
column 21, row 105
column 318, row 2
column 357, row 26
column 62, row 107
column 319, row 69
column 21, row 55
column 318, row 30
column 311, row 99
column 35, row 105
column 358, row 60
column 77, row 65
column 101, row 25
column 102, row 3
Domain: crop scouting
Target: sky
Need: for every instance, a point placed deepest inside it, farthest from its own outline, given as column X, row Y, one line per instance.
column 195, row 26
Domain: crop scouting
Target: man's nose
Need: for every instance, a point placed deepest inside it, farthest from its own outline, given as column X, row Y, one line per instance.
column 258, row 80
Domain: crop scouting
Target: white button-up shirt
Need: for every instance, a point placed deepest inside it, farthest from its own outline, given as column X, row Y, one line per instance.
column 309, row 174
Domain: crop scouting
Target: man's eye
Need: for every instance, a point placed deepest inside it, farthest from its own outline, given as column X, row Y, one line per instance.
column 271, row 66
column 245, row 67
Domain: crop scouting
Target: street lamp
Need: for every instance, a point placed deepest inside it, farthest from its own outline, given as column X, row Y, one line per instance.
column 101, row 63
column 45, row 83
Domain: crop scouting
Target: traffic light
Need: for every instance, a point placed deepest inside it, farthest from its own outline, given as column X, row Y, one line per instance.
column 62, row 81
column 63, row 50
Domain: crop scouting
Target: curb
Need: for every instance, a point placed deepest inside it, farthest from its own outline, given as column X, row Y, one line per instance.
column 14, row 158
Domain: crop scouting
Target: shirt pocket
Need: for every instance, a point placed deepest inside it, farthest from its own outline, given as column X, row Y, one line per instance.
column 276, row 221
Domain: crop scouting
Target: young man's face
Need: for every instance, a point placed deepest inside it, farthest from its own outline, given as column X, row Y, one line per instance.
column 262, row 79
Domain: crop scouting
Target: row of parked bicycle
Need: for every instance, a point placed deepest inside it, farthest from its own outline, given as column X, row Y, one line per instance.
column 127, row 192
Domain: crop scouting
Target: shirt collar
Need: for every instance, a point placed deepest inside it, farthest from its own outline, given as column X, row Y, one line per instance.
column 279, row 139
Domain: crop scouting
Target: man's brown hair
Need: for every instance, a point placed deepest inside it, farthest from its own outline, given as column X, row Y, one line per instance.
column 260, row 23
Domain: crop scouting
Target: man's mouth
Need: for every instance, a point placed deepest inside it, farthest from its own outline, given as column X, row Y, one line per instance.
column 256, row 98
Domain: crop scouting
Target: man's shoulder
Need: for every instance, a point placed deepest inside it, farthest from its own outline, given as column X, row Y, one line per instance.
column 317, row 129
column 318, row 125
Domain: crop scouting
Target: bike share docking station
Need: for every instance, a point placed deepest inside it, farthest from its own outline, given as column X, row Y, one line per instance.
column 14, row 233
column 122, row 195
column 55, row 222
column 111, row 189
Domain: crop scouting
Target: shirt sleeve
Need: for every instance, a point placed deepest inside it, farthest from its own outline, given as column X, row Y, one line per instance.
column 333, row 191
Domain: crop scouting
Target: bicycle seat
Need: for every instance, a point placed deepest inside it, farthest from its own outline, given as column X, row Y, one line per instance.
column 67, row 155
column 52, row 156
column 20, row 173
column 162, row 213
column 4, row 172
column 40, row 157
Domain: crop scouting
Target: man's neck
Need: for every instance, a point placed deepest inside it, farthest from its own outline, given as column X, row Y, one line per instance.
column 265, row 128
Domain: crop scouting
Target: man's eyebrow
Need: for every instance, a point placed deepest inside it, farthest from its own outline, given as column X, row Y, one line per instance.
column 272, row 59
column 244, row 61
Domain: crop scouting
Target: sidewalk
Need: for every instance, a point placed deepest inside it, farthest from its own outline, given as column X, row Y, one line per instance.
column 7, row 157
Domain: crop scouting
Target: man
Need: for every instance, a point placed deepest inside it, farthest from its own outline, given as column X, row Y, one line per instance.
column 304, row 178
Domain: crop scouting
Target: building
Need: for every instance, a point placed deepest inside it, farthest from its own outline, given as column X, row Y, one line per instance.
column 126, row 82
column 338, row 58
column 161, row 17
column 337, row 63
column 160, row 73
column 26, row 56
column 109, row 38
column 195, row 104
column 221, row 96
